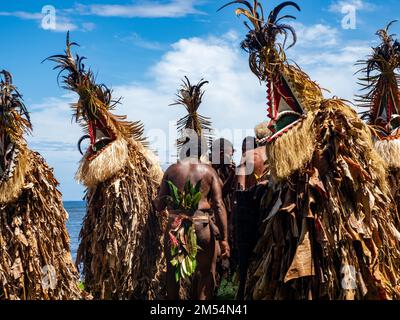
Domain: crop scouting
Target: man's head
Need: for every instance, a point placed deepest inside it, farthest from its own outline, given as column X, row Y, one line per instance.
column 222, row 151
column 194, row 147
column 262, row 132
column 248, row 144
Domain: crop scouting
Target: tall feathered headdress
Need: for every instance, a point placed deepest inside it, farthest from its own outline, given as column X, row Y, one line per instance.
column 260, row 41
column 14, row 117
column 381, row 81
column 95, row 100
column 190, row 96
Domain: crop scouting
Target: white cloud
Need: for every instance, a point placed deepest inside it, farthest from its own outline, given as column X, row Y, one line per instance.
column 148, row 9
column 137, row 40
column 334, row 69
column 88, row 26
column 22, row 15
column 55, row 137
column 52, row 122
column 318, row 35
column 63, row 22
column 338, row 6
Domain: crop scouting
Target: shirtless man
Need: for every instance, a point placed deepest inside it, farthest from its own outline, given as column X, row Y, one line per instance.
column 251, row 177
column 191, row 168
column 252, row 166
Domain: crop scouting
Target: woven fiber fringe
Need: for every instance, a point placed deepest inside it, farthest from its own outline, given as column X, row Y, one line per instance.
column 121, row 239
column 35, row 259
column 389, row 150
column 328, row 230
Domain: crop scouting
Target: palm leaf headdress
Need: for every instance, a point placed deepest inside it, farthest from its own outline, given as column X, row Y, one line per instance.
column 260, row 43
column 95, row 100
column 190, row 96
column 380, row 80
column 14, row 117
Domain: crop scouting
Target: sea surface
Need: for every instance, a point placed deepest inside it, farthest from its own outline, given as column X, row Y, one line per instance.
column 76, row 211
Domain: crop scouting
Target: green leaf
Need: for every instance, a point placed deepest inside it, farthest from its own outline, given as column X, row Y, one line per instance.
column 192, row 190
column 198, row 186
column 174, row 251
column 192, row 266
column 187, row 187
column 184, row 256
column 195, row 201
column 175, row 193
column 194, row 263
column 188, row 265
column 193, row 242
column 174, row 262
column 182, row 272
column 188, row 201
column 185, row 267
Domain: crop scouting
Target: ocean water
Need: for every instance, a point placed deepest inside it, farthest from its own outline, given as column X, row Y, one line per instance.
column 76, row 211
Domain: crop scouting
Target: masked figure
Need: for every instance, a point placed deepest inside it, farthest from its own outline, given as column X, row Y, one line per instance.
column 120, row 241
column 382, row 100
column 35, row 257
column 327, row 225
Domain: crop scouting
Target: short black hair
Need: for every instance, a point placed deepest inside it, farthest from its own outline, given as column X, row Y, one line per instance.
column 222, row 143
column 249, row 142
column 195, row 147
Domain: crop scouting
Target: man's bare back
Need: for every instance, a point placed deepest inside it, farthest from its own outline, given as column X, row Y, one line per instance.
column 193, row 170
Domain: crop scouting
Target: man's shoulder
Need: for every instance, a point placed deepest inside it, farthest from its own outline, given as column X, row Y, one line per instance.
column 172, row 167
column 209, row 170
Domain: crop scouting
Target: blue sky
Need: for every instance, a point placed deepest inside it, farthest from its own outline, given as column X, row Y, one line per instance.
column 143, row 48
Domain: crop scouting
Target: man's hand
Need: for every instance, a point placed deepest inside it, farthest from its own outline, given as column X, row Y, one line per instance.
column 225, row 249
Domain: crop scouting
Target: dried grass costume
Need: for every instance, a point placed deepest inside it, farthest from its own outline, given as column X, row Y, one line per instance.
column 35, row 257
column 327, row 230
column 382, row 100
column 121, row 239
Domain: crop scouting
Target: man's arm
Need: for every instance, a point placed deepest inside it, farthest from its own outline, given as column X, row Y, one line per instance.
column 241, row 176
column 228, row 185
column 160, row 202
column 245, row 169
column 221, row 215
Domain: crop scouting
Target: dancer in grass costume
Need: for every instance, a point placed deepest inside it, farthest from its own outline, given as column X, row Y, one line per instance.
column 35, row 257
column 120, row 246
column 327, row 230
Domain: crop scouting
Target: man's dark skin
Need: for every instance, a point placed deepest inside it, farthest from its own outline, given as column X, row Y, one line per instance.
column 211, row 190
column 225, row 167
